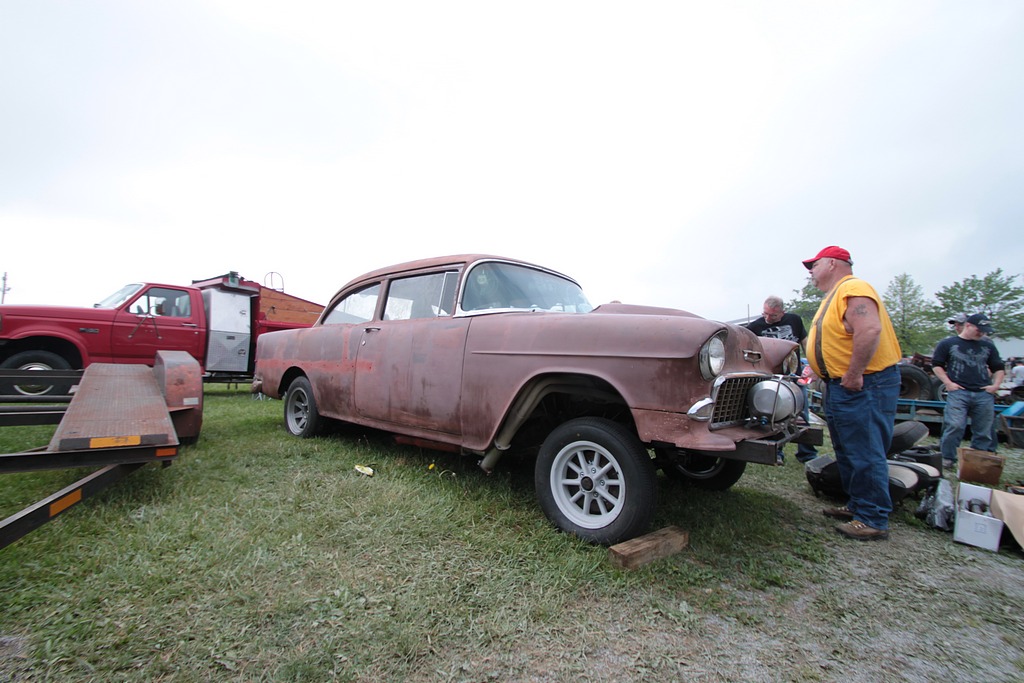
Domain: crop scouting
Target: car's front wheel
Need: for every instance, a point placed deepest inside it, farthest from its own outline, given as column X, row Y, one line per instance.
column 31, row 361
column 703, row 471
column 300, row 413
column 595, row 479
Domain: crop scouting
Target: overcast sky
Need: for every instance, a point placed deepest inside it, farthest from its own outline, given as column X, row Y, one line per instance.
column 685, row 154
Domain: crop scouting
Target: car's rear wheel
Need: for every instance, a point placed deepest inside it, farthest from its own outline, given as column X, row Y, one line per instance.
column 703, row 471
column 595, row 479
column 300, row 413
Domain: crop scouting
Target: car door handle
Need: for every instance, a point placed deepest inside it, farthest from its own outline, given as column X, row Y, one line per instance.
column 189, row 325
column 371, row 329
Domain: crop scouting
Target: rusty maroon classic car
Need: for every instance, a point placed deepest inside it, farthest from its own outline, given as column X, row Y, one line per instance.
column 481, row 354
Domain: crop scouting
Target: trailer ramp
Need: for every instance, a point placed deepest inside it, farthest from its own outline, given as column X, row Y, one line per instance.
column 121, row 417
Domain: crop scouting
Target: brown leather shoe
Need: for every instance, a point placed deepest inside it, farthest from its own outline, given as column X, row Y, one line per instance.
column 838, row 513
column 861, row 531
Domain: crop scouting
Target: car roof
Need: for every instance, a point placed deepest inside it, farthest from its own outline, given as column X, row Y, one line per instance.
column 437, row 261
column 433, row 262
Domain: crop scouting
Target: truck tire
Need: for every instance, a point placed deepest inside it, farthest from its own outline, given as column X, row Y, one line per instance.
column 595, row 480
column 301, row 416
column 35, row 360
column 915, row 384
column 705, row 472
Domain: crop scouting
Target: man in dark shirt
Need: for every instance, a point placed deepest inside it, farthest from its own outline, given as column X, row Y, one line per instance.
column 778, row 324
column 970, row 367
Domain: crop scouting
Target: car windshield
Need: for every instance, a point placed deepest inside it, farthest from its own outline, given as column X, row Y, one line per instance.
column 120, row 296
column 502, row 286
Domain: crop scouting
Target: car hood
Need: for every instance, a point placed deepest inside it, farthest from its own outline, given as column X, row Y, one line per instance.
column 623, row 330
column 633, row 309
column 56, row 312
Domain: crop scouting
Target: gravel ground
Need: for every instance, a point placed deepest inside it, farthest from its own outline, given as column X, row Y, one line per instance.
column 918, row 607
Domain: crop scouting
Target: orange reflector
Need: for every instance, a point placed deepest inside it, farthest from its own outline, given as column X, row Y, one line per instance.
column 165, row 452
column 61, row 504
column 114, row 441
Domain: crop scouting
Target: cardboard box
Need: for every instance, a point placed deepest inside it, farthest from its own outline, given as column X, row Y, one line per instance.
column 980, row 467
column 971, row 528
column 1009, row 507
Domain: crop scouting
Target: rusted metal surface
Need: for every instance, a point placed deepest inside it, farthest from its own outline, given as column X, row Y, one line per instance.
column 115, row 405
column 119, row 419
column 482, row 355
column 31, row 415
column 180, row 380
column 457, row 378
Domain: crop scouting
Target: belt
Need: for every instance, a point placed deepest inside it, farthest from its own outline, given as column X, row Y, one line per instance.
column 836, row 380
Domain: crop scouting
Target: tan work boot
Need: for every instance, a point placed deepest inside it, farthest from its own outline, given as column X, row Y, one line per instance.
column 838, row 513
column 861, row 531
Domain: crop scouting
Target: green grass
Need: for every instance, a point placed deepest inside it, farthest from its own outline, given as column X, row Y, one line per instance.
column 259, row 556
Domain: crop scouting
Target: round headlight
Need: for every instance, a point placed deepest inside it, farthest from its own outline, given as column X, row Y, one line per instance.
column 712, row 357
column 775, row 400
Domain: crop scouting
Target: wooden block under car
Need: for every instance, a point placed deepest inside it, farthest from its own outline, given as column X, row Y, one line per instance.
column 642, row 550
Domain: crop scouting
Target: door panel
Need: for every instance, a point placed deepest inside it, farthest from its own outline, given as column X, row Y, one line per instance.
column 158, row 318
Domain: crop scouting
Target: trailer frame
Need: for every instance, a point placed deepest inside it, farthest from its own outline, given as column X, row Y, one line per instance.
column 121, row 418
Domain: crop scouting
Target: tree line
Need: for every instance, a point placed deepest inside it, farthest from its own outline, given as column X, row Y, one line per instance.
column 921, row 322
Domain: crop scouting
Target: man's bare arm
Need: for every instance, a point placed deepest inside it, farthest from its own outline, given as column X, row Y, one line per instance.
column 865, row 325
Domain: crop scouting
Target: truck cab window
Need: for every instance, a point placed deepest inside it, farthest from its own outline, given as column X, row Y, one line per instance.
column 164, row 302
column 119, row 297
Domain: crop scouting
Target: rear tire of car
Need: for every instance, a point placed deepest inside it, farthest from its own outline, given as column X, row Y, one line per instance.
column 35, row 360
column 705, row 472
column 595, row 480
column 300, row 413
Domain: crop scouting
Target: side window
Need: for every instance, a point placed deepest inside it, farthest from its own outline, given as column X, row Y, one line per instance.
column 421, row 296
column 162, row 301
column 449, row 291
column 357, row 307
column 484, row 289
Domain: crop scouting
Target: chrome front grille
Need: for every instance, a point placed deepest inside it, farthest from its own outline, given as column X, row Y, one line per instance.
column 730, row 397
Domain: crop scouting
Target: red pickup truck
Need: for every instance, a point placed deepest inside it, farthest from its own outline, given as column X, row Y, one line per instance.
column 216, row 321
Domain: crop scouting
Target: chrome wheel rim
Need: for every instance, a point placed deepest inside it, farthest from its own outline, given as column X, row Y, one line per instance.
column 298, row 410
column 587, row 484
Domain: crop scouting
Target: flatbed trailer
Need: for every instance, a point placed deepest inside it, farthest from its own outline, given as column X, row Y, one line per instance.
column 120, row 418
column 931, row 413
column 31, row 408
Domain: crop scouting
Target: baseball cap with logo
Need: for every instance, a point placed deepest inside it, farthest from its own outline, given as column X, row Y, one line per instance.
column 829, row 252
column 980, row 320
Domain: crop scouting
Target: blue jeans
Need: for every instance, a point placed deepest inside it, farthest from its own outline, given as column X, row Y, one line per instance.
column 860, row 424
column 980, row 406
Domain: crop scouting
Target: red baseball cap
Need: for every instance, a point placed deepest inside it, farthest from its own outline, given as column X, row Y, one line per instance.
column 829, row 252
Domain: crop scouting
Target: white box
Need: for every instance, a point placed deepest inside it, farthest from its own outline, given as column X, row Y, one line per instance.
column 974, row 529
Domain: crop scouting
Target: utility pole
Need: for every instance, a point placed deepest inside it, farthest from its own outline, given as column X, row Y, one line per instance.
column 4, row 289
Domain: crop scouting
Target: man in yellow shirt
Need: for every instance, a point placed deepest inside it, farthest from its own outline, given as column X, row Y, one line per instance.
column 852, row 346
